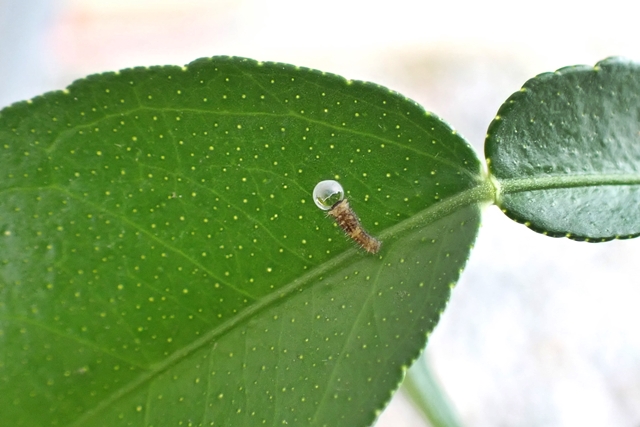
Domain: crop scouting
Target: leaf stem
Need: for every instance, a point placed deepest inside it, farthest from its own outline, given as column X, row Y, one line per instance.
column 424, row 390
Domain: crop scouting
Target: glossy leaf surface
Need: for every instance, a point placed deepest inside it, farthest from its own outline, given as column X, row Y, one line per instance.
column 565, row 151
column 162, row 261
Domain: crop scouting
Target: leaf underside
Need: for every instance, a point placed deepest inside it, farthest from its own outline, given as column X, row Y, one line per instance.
column 162, row 261
column 565, row 151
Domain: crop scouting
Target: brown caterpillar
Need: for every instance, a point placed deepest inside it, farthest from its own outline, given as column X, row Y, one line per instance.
column 349, row 222
column 329, row 196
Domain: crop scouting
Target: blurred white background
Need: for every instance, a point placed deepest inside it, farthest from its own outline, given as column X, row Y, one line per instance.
column 539, row 331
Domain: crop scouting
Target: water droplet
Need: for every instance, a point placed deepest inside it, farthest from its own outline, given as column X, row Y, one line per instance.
column 327, row 193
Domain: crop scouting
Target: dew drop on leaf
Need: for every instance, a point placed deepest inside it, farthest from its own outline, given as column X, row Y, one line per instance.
column 327, row 193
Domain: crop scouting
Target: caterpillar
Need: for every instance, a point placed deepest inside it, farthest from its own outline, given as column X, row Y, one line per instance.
column 324, row 195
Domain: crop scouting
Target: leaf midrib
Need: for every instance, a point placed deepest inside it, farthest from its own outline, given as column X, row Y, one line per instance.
column 552, row 182
column 483, row 193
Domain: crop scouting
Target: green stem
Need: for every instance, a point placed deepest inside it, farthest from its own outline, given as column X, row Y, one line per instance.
column 426, row 393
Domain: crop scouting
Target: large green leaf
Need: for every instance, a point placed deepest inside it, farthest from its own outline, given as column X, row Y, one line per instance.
column 565, row 151
column 162, row 261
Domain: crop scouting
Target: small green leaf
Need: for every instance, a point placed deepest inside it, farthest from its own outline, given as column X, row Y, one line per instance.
column 565, row 151
column 162, row 261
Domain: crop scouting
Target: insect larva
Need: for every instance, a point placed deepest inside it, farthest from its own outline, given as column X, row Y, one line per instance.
column 329, row 196
column 349, row 222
